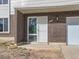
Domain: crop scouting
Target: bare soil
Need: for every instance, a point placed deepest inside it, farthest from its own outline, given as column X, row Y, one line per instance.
column 13, row 52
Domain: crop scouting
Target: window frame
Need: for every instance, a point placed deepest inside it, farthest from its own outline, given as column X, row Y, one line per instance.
column 2, row 3
column 8, row 26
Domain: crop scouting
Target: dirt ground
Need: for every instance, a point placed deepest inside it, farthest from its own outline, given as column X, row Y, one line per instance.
column 19, row 53
column 13, row 52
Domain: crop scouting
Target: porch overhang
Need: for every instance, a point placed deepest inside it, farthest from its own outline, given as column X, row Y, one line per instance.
column 28, row 10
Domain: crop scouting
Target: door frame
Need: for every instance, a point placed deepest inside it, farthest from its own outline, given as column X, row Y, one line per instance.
column 28, row 29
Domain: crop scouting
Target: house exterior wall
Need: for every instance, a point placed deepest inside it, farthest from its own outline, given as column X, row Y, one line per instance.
column 20, row 27
column 4, row 13
column 54, row 29
column 42, row 3
column 57, row 32
column 16, row 17
column 11, row 35
column 57, row 29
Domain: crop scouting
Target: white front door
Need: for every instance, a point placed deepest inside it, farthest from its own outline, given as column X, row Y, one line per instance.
column 43, row 29
column 37, row 29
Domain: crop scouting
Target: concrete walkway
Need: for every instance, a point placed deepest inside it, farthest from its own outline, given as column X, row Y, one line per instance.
column 42, row 45
column 71, row 52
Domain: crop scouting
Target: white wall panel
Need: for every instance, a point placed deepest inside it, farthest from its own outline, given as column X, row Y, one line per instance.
column 4, row 13
column 4, row 10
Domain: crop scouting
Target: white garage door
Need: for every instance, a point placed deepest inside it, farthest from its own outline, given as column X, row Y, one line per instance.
column 73, row 30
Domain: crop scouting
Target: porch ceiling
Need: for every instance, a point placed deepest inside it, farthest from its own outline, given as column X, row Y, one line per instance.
column 49, row 9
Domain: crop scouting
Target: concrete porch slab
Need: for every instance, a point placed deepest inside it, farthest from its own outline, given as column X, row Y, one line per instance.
column 43, row 45
column 71, row 52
